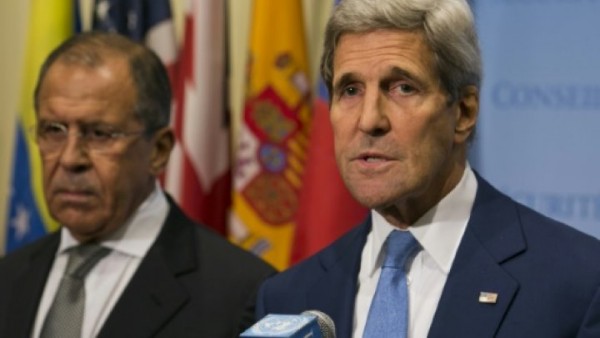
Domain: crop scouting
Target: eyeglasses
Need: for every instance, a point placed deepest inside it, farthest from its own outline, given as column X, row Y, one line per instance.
column 52, row 137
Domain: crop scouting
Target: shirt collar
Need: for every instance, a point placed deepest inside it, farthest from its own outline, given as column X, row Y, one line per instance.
column 439, row 230
column 136, row 236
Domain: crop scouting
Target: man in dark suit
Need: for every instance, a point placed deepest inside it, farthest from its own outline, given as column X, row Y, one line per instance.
column 404, row 79
column 127, row 261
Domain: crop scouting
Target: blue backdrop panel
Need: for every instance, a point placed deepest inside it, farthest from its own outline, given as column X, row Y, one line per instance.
column 539, row 130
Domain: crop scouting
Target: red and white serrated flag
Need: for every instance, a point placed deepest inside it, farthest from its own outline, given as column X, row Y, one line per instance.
column 198, row 174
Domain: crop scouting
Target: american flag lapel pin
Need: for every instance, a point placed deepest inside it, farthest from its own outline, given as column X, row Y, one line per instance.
column 488, row 297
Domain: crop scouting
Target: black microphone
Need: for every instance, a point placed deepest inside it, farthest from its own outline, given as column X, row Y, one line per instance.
column 311, row 323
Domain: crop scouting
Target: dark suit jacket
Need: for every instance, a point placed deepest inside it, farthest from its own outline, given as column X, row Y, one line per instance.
column 546, row 275
column 192, row 283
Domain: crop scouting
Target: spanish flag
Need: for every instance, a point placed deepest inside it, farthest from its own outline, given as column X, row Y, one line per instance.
column 273, row 135
column 50, row 22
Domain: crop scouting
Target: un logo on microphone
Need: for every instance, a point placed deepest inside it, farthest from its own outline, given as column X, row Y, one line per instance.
column 284, row 326
column 281, row 324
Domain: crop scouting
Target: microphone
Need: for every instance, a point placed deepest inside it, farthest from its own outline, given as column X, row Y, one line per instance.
column 308, row 324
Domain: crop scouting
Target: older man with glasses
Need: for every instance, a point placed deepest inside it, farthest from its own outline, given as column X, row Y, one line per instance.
column 127, row 261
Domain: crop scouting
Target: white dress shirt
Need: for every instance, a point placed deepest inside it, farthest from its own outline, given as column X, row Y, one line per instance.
column 438, row 232
column 105, row 283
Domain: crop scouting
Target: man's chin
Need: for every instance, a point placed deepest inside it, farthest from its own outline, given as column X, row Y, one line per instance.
column 372, row 201
column 75, row 217
column 368, row 195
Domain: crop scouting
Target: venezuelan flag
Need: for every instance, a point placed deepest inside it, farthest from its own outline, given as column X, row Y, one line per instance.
column 50, row 22
column 274, row 132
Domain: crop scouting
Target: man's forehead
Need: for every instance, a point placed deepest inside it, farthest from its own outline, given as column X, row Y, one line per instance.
column 381, row 41
column 79, row 92
column 109, row 67
column 416, row 35
column 389, row 52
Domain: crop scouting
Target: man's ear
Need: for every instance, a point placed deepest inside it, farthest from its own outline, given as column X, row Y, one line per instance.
column 163, row 142
column 467, row 113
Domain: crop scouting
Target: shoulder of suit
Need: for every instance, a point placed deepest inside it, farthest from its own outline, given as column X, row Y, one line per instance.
column 46, row 242
column 305, row 272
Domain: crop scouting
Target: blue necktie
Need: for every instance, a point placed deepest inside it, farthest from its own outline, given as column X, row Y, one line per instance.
column 388, row 315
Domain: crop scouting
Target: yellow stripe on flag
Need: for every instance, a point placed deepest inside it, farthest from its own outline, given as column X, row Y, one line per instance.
column 277, row 32
column 51, row 22
column 275, row 123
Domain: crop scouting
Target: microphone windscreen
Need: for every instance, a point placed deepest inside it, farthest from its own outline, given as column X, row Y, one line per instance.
column 326, row 324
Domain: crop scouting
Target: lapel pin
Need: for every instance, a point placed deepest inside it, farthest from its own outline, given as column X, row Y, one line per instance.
column 488, row 297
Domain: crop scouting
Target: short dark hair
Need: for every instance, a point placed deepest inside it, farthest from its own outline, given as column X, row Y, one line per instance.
column 153, row 102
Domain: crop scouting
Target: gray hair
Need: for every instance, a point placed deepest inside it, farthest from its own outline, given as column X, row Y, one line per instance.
column 447, row 25
column 153, row 102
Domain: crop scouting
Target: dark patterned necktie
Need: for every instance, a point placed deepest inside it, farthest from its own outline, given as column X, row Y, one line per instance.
column 65, row 317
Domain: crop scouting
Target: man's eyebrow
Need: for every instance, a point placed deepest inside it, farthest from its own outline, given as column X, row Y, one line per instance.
column 397, row 72
column 394, row 73
column 344, row 80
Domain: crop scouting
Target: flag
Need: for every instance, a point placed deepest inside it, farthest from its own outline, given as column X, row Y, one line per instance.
column 50, row 23
column 326, row 208
column 274, row 133
column 141, row 20
column 144, row 21
column 198, row 174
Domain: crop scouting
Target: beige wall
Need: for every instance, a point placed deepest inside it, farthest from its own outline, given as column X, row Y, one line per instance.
column 13, row 23
column 13, row 14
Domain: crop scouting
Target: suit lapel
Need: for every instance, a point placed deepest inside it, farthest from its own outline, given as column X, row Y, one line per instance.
column 335, row 291
column 29, row 287
column 492, row 237
column 459, row 312
column 154, row 294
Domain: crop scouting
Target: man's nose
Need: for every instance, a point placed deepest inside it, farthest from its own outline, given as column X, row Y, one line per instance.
column 74, row 153
column 373, row 118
